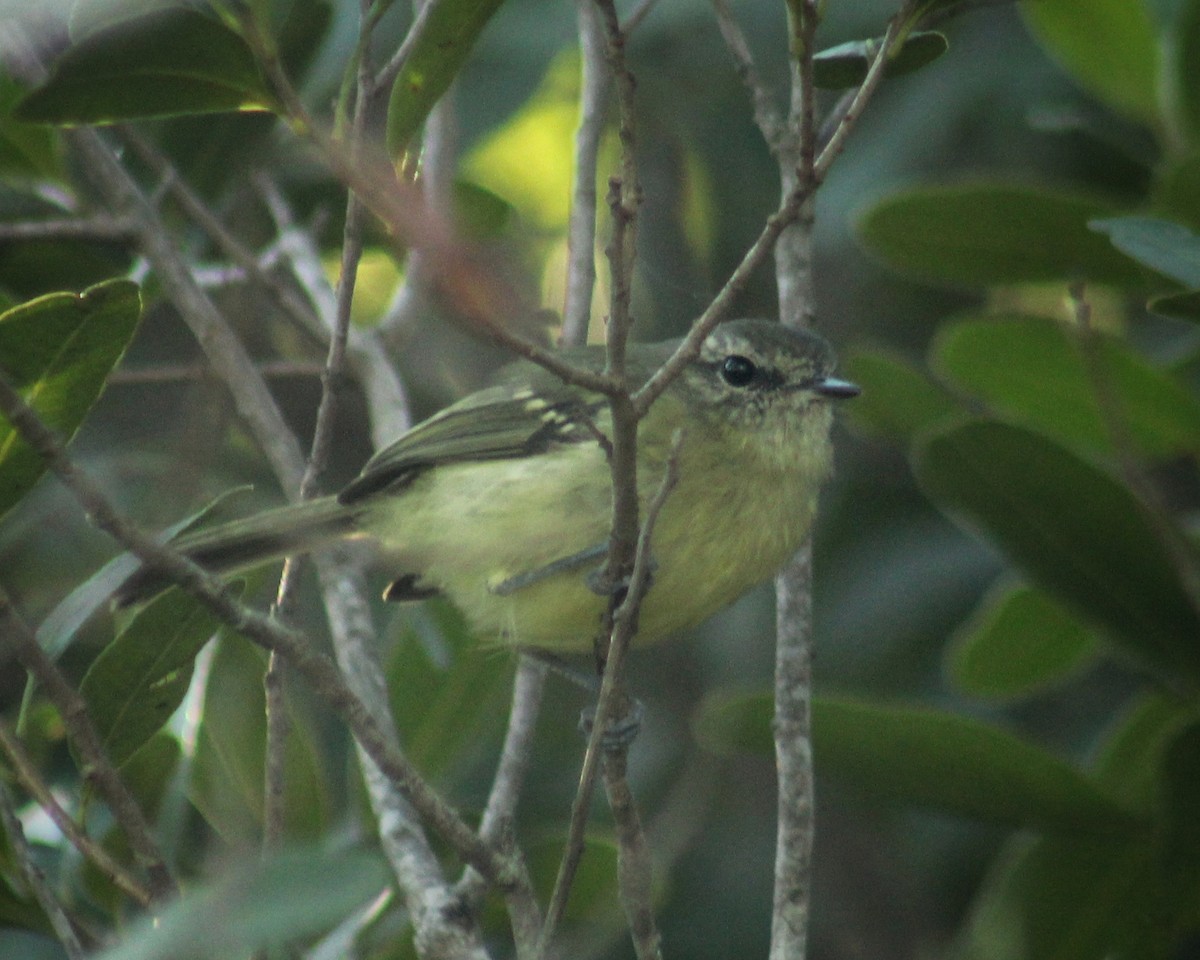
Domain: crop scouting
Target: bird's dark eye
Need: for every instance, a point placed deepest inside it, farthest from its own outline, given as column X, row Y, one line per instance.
column 738, row 371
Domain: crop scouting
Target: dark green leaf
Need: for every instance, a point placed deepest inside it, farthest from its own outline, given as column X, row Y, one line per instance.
column 1167, row 248
column 26, row 150
column 846, row 64
column 58, row 628
column 58, row 350
column 928, row 758
column 897, row 400
column 446, row 32
column 1033, row 370
column 19, row 911
column 1109, row 46
column 1072, row 529
column 950, row 762
column 1180, row 844
column 1175, row 192
column 139, row 680
column 1181, row 306
column 594, row 896
column 447, row 689
column 164, row 64
column 1185, row 68
column 259, row 905
column 991, row 233
column 1018, row 642
column 1079, row 898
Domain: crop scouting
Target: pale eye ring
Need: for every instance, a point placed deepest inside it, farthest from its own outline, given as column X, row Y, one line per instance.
column 738, row 371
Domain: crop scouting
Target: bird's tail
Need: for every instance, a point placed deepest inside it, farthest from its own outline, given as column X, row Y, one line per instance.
column 245, row 543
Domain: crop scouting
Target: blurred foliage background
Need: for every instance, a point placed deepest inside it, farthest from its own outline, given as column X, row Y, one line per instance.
column 1007, row 659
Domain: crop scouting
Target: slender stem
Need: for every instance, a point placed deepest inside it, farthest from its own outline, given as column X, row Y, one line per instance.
column 36, row 880
column 766, row 115
column 499, row 815
column 96, row 767
column 29, row 777
column 581, row 230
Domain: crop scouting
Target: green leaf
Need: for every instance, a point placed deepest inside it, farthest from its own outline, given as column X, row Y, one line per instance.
column 164, row 64
column 1181, row 306
column 447, row 689
column 26, row 150
column 259, row 906
column 1033, row 370
column 897, row 400
column 1167, row 248
column 59, row 627
column 955, row 763
column 594, row 897
column 1109, row 46
column 446, row 32
column 1079, row 898
column 846, row 65
column 1072, row 529
column 992, row 233
column 1185, row 68
column 1018, row 642
column 1180, row 843
column 1175, row 192
column 58, row 351
column 227, row 770
column 927, row 758
column 139, row 680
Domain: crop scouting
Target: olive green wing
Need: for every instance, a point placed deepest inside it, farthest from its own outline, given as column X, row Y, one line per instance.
column 522, row 418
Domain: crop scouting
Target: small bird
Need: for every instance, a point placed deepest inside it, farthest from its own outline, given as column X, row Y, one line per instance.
column 502, row 502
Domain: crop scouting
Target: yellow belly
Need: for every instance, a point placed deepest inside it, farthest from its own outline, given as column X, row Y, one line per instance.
column 469, row 528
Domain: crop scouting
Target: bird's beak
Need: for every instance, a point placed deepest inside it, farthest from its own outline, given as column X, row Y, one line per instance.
column 836, row 389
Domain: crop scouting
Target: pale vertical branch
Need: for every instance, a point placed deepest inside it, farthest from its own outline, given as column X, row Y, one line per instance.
column 441, row 927
column 595, row 87
column 802, row 171
column 793, row 584
column 496, row 826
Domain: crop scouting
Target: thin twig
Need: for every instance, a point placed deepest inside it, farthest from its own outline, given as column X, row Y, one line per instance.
column 89, row 228
column 194, row 207
column 612, row 702
column 635, row 864
column 96, row 767
column 176, row 373
column 386, row 399
column 36, row 880
column 802, row 170
column 721, row 303
column 252, row 399
column 862, row 96
column 32, row 781
column 766, row 114
column 499, row 814
column 638, row 14
column 442, row 928
column 595, row 84
column 620, row 621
